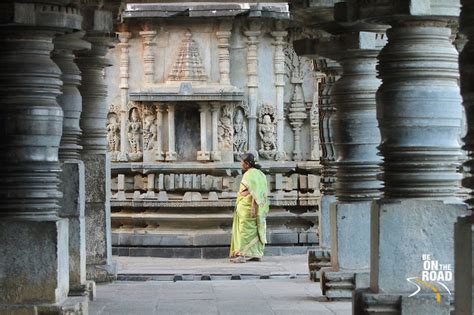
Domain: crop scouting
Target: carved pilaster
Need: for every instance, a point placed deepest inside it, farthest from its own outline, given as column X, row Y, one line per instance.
column 253, row 35
column 297, row 116
column 223, row 36
column 279, row 70
column 171, row 154
column 203, row 154
column 124, row 46
column 159, row 154
column 148, row 55
column 215, row 153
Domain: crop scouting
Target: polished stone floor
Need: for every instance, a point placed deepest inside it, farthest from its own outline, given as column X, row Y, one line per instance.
column 283, row 289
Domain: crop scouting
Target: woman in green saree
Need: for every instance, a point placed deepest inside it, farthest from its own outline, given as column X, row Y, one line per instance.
column 249, row 225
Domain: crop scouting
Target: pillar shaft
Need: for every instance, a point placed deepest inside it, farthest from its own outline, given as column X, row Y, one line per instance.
column 159, row 155
column 124, row 45
column 148, row 55
column 96, row 160
column 171, row 153
column 419, row 112
column 224, row 55
column 203, row 154
column 215, row 153
column 252, row 74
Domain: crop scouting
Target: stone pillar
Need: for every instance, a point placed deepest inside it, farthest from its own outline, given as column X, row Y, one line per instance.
column 100, row 267
column 124, row 45
column 159, row 154
column 215, row 153
column 72, row 176
column 252, row 73
column 171, row 153
column 280, row 71
column 148, row 55
column 321, row 256
column 203, row 154
column 297, row 116
column 464, row 230
column 34, row 264
column 223, row 36
column 419, row 114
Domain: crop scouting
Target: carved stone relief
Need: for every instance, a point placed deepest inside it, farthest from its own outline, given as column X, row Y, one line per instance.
column 113, row 131
column 267, row 131
column 134, row 130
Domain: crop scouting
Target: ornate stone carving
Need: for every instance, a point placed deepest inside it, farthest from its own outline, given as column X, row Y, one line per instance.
column 113, row 131
column 188, row 65
column 134, row 130
column 240, row 132
column 225, row 128
column 124, row 46
column 149, row 128
column 148, row 54
column 266, row 131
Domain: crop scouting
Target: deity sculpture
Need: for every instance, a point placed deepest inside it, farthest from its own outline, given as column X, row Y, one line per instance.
column 225, row 129
column 113, row 133
column 134, row 129
column 240, row 132
column 149, row 131
column 266, row 130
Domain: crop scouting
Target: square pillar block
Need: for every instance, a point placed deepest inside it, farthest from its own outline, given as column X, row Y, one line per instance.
column 350, row 235
column 464, row 265
column 324, row 222
column 34, row 263
column 72, row 207
column 404, row 230
column 97, row 214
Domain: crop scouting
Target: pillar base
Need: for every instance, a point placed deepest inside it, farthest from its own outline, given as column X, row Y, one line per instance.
column 171, row 156
column 350, row 235
column 88, row 290
column 102, row 273
column 324, row 221
column 203, row 156
column 340, row 285
column 159, row 155
column 71, row 306
column 318, row 258
column 366, row 302
column 415, row 230
column 34, row 262
column 216, row 155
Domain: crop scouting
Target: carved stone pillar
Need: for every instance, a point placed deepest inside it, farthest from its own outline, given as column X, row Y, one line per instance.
column 215, row 153
column 331, row 71
column 464, row 230
column 419, row 114
column 171, row 154
column 124, row 45
column 203, row 154
column 223, row 36
column 252, row 74
column 149, row 55
column 355, row 139
column 96, row 160
column 159, row 154
column 279, row 69
column 72, row 176
column 34, row 250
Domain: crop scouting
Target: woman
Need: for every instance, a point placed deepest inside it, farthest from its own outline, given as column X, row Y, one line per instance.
column 249, row 226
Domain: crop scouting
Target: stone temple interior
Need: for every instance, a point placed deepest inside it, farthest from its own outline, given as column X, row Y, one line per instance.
column 122, row 123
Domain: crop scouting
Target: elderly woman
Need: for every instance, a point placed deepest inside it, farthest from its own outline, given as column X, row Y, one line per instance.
column 249, row 226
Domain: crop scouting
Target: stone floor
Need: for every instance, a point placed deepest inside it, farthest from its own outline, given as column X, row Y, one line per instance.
column 284, row 289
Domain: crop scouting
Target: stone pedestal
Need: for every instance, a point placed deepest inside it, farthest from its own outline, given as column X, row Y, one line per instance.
column 72, row 208
column 97, row 214
column 464, row 265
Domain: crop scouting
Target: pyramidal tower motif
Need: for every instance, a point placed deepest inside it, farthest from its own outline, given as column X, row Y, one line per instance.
column 188, row 65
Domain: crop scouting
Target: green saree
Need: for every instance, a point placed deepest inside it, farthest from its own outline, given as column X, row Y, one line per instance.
column 248, row 230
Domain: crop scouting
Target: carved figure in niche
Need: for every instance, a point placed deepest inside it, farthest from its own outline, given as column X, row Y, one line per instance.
column 113, row 133
column 225, row 129
column 133, row 133
column 266, row 130
column 240, row 132
column 149, row 131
